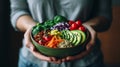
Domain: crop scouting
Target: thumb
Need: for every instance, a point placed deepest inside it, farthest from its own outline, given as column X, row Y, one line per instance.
column 30, row 46
column 89, row 47
column 93, row 36
column 28, row 40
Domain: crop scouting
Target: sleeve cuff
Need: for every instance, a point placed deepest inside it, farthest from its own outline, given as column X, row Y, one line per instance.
column 15, row 18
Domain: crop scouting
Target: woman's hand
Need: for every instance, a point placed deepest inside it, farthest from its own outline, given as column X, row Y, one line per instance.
column 36, row 53
column 89, row 46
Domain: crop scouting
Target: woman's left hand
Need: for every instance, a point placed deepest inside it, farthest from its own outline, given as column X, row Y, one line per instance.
column 89, row 46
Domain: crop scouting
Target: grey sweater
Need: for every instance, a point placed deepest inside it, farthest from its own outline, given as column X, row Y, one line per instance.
column 42, row 10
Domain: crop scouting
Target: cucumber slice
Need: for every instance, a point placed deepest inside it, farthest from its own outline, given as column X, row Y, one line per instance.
column 67, row 34
column 71, row 36
column 63, row 34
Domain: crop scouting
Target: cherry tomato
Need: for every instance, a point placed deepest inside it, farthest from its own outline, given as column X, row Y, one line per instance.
column 82, row 28
column 79, row 22
column 36, row 36
column 74, row 26
column 70, row 22
column 71, row 28
column 37, row 39
column 47, row 38
column 41, row 42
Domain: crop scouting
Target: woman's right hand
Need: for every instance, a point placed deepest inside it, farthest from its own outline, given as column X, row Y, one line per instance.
column 35, row 52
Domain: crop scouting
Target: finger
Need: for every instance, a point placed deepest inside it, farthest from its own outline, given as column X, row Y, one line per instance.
column 63, row 59
column 59, row 61
column 41, row 56
column 45, row 58
column 91, row 43
column 53, row 59
column 76, row 57
column 89, row 47
column 93, row 35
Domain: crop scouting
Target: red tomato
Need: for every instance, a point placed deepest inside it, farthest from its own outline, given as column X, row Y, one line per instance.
column 47, row 38
column 82, row 28
column 74, row 26
column 41, row 42
column 71, row 28
column 79, row 22
column 70, row 22
column 37, row 39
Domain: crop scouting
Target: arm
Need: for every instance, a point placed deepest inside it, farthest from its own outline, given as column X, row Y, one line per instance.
column 21, row 20
column 102, row 16
column 19, row 8
column 100, row 22
column 25, row 22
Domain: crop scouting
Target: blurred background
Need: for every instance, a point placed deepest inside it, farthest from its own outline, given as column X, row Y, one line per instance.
column 10, row 40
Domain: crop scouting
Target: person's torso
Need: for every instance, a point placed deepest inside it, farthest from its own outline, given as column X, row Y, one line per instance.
column 42, row 10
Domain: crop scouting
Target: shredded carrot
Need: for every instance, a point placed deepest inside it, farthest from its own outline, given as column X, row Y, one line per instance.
column 54, row 42
column 51, row 41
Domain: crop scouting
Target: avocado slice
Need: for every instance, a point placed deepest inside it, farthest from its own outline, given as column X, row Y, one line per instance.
column 83, row 35
column 78, row 37
column 74, row 40
column 75, row 36
column 68, row 35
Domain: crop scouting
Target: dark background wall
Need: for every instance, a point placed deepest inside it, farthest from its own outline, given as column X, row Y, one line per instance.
column 10, row 40
column 111, row 38
column 4, row 30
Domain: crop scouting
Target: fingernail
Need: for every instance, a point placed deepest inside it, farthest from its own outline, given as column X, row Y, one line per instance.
column 88, row 47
